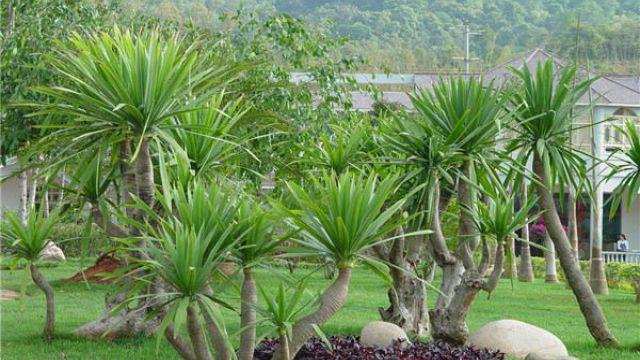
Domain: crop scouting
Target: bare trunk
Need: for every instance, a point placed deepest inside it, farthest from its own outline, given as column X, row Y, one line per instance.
column 144, row 174
column 284, row 354
column 597, row 275
column 129, row 185
column 573, row 223
column 511, row 269
column 596, row 322
column 550, row 273
column 468, row 235
column 451, row 267
column 330, row 302
column 178, row 343
column 33, row 189
column 216, row 335
column 248, row 316
column 525, row 272
column 24, row 191
column 198, row 341
column 407, row 297
column 50, row 322
column 448, row 324
column 45, row 202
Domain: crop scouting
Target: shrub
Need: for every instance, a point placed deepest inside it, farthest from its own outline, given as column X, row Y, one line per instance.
column 349, row 347
column 619, row 275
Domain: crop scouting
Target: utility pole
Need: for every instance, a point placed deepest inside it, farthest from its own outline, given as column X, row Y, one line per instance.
column 466, row 36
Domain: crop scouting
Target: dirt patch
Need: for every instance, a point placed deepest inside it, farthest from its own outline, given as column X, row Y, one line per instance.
column 105, row 265
column 9, row 295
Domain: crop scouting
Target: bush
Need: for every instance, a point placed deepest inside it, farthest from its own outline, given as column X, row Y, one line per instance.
column 68, row 236
column 619, row 275
column 347, row 348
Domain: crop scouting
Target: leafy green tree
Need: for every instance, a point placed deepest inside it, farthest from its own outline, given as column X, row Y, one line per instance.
column 26, row 240
column 339, row 218
column 544, row 124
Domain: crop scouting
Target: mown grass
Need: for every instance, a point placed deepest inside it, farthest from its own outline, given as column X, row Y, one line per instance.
column 550, row 306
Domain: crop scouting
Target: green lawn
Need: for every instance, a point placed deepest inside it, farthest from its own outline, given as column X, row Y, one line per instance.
column 549, row 306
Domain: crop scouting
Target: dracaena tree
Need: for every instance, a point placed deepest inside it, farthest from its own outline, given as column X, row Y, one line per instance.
column 119, row 95
column 192, row 232
column 26, row 240
column 339, row 217
column 450, row 139
column 629, row 165
column 545, row 102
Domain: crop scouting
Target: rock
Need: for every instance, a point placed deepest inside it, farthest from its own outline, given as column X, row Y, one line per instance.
column 382, row 334
column 518, row 339
column 52, row 253
column 9, row 295
column 539, row 356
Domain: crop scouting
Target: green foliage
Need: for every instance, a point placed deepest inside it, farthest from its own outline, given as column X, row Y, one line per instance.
column 499, row 218
column 284, row 308
column 37, row 27
column 544, row 123
column 27, row 240
column 629, row 187
column 339, row 217
column 123, row 86
column 406, row 35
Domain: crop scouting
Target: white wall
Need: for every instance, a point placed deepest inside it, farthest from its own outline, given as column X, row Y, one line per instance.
column 10, row 194
column 630, row 221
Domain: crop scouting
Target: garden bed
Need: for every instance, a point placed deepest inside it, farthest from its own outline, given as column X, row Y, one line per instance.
column 349, row 347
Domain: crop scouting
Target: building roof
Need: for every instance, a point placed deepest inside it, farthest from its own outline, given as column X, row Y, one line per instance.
column 618, row 89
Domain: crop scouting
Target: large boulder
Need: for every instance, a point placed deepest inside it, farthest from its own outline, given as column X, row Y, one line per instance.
column 538, row 356
column 518, row 339
column 52, row 253
column 382, row 334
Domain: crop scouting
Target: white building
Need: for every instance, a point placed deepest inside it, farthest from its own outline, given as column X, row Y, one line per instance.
column 613, row 97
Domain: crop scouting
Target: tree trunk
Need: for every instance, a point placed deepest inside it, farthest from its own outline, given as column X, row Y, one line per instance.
column 451, row 267
column 448, row 324
column 572, row 223
column 284, row 353
column 33, row 189
column 248, row 316
column 198, row 341
column 407, row 297
column 24, row 195
column 330, row 302
column 550, row 273
column 596, row 322
column 511, row 269
column 525, row 272
column 144, row 174
column 468, row 235
column 597, row 275
column 217, row 336
column 50, row 322
column 129, row 185
column 178, row 343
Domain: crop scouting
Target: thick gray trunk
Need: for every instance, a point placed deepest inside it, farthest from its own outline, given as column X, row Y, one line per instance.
column 216, row 335
column 572, row 223
column 50, row 320
column 284, row 353
column 448, row 324
column 198, row 341
column 24, row 195
column 129, row 185
column 407, row 298
column 468, row 235
column 511, row 268
column 33, row 189
column 144, row 174
column 248, row 316
column 550, row 273
column 178, row 343
column 525, row 272
column 596, row 322
column 330, row 302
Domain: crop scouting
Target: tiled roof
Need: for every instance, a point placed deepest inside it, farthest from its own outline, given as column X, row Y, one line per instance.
column 607, row 89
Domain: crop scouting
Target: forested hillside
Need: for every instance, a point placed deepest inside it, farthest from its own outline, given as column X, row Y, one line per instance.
column 424, row 35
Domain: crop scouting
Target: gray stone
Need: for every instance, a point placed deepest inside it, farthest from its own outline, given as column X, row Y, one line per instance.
column 52, row 253
column 9, row 295
column 382, row 334
column 518, row 339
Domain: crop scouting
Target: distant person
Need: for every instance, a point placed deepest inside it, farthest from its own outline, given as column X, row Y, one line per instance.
column 622, row 245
